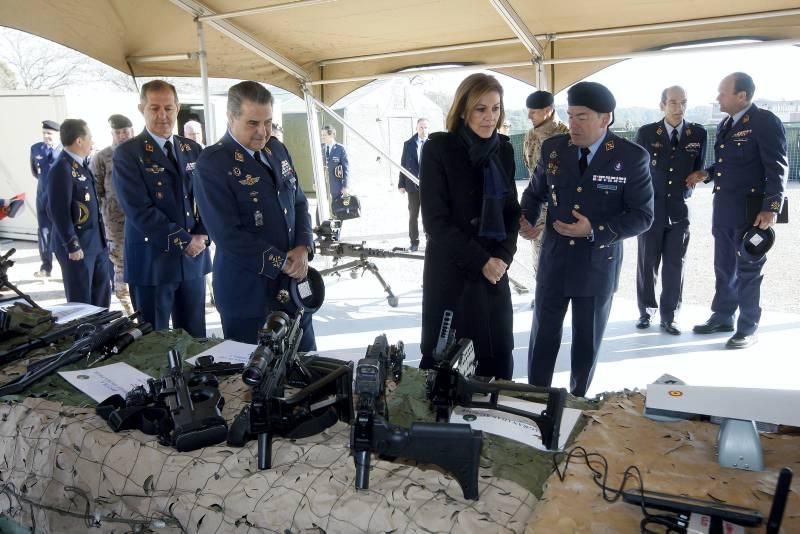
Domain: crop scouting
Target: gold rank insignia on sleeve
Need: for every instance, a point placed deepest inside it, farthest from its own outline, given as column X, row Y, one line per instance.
column 775, row 206
column 659, row 131
column 276, row 260
column 179, row 243
column 238, row 156
column 148, row 147
column 609, row 146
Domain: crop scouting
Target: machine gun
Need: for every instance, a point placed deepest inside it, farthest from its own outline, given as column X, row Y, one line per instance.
column 323, row 396
column 183, row 408
column 452, row 382
column 328, row 244
column 91, row 339
column 5, row 264
column 455, row 448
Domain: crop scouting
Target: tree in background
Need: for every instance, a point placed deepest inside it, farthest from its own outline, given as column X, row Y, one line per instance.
column 8, row 79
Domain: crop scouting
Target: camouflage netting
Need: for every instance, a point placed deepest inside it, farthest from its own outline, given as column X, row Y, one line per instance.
column 64, row 471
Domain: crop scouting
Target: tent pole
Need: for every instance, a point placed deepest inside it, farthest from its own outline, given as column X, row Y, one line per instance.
column 317, row 166
column 264, row 9
column 353, row 129
column 202, row 56
column 518, row 26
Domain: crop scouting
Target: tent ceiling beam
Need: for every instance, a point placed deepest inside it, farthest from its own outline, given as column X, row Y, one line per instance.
column 520, row 29
column 184, row 56
column 246, row 40
column 562, row 61
column 573, row 35
column 263, row 9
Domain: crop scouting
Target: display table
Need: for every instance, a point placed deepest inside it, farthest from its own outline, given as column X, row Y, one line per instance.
column 58, row 455
column 676, row 458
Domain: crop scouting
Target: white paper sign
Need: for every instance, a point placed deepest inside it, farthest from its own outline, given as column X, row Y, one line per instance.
column 101, row 382
column 228, row 351
column 515, row 427
column 70, row 311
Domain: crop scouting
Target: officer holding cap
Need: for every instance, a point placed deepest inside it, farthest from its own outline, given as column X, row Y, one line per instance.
column 749, row 172
column 257, row 215
column 598, row 190
column 43, row 155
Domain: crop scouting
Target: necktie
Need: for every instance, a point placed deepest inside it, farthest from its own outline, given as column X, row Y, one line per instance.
column 261, row 160
column 674, row 138
column 170, row 155
column 327, row 151
column 726, row 127
column 584, row 161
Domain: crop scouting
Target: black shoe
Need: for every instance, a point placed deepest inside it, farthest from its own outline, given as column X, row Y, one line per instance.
column 644, row 322
column 414, row 247
column 709, row 327
column 741, row 341
column 671, row 327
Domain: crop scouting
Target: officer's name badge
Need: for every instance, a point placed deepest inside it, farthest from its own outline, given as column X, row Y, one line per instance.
column 286, row 169
column 743, row 133
column 238, row 156
column 87, row 198
column 191, row 165
column 610, row 179
column 250, row 180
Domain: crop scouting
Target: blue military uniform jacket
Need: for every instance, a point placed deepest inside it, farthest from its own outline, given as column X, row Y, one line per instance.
column 255, row 216
column 750, row 161
column 160, row 214
column 77, row 222
column 615, row 193
column 338, row 168
column 410, row 162
column 42, row 158
column 669, row 168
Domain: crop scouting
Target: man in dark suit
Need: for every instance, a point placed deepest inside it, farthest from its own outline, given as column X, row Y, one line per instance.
column 749, row 172
column 412, row 152
column 677, row 148
column 165, row 241
column 257, row 215
column 336, row 164
column 43, row 155
column 79, row 237
column 598, row 189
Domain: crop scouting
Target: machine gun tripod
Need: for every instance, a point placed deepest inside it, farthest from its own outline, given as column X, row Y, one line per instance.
column 328, row 244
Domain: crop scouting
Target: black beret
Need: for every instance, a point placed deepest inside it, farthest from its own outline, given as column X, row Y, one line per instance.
column 756, row 242
column 593, row 95
column 539, row 100
column 50, row 125
column 118, row 121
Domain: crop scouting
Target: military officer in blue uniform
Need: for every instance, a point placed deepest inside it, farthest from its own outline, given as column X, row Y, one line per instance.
column 43, row 155
column 335, row 157
column 677, row 148
column 257, row 216
column 598, row 190
column 749, row 173
column 79, row 237
column 165, row 252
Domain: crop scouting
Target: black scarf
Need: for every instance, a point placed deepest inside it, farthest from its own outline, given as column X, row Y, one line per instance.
column 483, row 154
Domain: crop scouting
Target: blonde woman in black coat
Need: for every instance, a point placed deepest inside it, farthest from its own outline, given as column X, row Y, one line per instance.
column 471, row 215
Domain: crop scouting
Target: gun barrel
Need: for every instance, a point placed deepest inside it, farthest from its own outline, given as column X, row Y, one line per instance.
column 264, row 451
column 361, row 459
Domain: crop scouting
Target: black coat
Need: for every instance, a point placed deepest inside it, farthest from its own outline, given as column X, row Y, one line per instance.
column 451, row 194
column 409, row 161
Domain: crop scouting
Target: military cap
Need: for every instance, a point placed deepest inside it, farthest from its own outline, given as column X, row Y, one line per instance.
column 117, row 121
column 755, row 243
column 593, row 95
column 539, row 100
column 308, row 293
column 50, row 125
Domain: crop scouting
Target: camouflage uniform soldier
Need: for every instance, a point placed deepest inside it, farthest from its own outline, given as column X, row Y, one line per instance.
column 121, row 131
column 545, row 125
